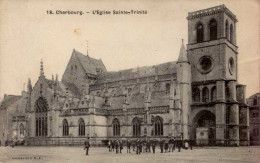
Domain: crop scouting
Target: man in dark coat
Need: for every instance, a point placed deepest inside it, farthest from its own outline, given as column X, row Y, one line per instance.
column 166, row 146
column 174, row 144
column 179, row 145
column 121, row 145
column 113, row 145
column 148, row 146
column 191, row 143
column 140, row 146
column 161, row 146
column 153, row 145
column 128, row 144
column 87, row 145
column 137, row 147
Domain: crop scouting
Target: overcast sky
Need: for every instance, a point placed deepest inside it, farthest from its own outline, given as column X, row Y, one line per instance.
column 121, row 41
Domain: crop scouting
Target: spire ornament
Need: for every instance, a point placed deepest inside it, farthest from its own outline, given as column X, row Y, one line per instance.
column 42, row 71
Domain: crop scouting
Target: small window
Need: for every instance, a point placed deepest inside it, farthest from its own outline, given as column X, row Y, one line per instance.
column 205, row 94
column 200, row 32
column 231, row 33
column 227, row 30
column 82, row 102
column 213, row 29
column 196, row 94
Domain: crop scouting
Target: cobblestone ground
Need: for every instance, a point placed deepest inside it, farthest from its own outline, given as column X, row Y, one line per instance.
column 101, row 155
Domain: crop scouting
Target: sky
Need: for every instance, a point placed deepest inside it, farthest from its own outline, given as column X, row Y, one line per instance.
column 29, row 34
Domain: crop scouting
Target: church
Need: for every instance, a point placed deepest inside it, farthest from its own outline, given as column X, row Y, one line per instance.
column 196, row 97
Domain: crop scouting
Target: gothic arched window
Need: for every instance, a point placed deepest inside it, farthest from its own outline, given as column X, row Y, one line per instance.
column 21, row 129
column 81, row 127
column 158, row 126
column 196, row 94
column 231, row 33
column 136, row 127
column 200, row 33
column 116, row 127
column 205, row 94
column 41, row 117
column 227, row 30
column 65, row 128
column 213, row 30
column 214, row 94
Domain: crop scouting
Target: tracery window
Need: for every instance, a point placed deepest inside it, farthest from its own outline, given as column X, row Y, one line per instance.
column 116, row 127
column 136, row 127
column 158, row 126
column 65, row 128
column 81, row 127
column 41, row 117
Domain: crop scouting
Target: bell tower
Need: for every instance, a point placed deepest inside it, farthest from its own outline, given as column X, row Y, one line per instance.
column 212, row 53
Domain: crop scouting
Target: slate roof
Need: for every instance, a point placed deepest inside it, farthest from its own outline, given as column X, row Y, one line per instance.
column 63, row 86
column 161, row 69
column 8, row 101
column 90, row 65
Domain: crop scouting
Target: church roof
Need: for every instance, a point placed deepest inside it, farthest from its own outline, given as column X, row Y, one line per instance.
column 90, row 65
column 161, row 69
column 8, row 101
column 64, row 87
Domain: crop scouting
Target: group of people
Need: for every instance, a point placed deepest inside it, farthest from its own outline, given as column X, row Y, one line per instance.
column 144, row 146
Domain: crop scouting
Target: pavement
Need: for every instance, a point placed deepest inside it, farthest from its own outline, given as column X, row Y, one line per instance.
column 102, row 155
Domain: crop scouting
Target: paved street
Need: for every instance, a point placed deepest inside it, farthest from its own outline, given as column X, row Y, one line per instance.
column 101, row 155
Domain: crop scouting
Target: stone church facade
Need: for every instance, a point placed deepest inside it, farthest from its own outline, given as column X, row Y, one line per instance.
column 197, row 97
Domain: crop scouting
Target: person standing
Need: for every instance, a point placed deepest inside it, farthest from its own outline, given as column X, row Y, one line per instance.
column 117, row 145
column 161, row 146
column 179, row 144
column 148, row 146
column 137, row 147
column 128, row 144
column 87, row 145
column 109, row 145
column 191, row 143
column 121, row 145
column 153, row 145
column 174, row 144
column 113, row 145
column 166, row 146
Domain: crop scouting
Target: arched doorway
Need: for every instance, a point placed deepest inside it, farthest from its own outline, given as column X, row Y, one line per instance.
column 205, row 122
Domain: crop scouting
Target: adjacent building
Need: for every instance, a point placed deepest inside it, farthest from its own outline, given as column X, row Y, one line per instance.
column 254, row 116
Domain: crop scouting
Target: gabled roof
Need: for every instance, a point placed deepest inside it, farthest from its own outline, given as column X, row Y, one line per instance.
column 8, row 101
column 90, row 65
column 161, row 69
